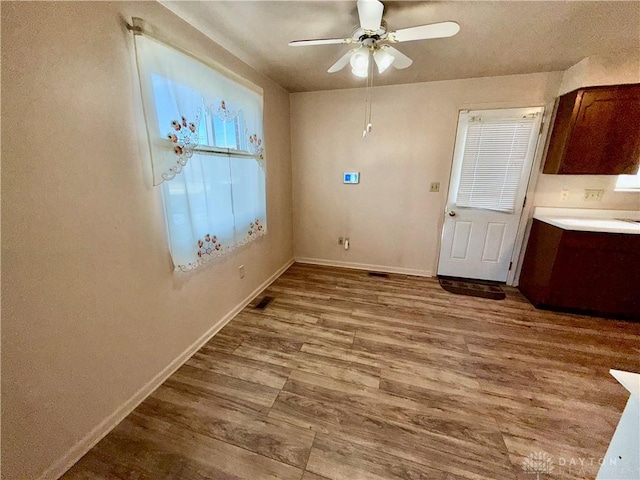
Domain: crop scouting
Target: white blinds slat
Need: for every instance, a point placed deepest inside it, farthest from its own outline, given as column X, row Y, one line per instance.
column 494, row 155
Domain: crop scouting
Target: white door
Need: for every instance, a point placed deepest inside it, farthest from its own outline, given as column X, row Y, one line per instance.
column 492, row 162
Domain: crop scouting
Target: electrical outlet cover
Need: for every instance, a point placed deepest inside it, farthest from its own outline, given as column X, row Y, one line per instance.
column 593, row 194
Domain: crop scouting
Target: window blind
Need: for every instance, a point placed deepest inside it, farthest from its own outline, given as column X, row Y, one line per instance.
column 494, row 155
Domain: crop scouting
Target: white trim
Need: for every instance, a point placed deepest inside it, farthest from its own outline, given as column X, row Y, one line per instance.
column 58, row 468
column 364, row 266
column 522, row 237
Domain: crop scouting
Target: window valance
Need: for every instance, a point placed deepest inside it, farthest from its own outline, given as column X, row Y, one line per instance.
column 189, row 107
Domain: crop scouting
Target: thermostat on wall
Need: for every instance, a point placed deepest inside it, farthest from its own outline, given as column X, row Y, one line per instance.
column 351, row 177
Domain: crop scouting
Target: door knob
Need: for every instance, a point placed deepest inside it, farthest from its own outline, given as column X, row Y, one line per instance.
column 452, row 213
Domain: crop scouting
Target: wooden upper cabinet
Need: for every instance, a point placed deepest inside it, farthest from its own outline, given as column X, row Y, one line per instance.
column 596, row 131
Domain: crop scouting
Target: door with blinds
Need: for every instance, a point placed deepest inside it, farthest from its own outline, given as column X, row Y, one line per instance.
column 492, row 162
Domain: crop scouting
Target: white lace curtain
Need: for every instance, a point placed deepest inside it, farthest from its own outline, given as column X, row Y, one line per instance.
column 205, row 136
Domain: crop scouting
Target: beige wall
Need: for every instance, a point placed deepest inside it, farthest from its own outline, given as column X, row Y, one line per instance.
column 614, row 69
column 549, row 192
column 91, row 308
column 391, row 218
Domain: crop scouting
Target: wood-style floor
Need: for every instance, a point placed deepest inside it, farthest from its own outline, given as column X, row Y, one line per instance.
column 346, row 376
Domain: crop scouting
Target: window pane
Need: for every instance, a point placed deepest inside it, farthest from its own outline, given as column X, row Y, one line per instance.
column 225, row 133
column 248, row 193
column 198, row 202
column 209, row 193
column 171, row 98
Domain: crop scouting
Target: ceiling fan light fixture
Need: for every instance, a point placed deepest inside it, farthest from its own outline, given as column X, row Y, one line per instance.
column 383, row 59
column 360, row 62
column 359, row 73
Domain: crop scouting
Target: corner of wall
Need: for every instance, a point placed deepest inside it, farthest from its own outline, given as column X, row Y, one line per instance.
column 110, row 422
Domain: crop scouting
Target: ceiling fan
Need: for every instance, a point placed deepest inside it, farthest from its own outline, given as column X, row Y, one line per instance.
column 374, row 40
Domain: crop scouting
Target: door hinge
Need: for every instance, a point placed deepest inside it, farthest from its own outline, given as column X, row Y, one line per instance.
column 541, row 128
column 510, row 265
column 525, row 201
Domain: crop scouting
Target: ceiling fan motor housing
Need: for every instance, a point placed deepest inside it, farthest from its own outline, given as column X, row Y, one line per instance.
column 370, row 42
column 360, row 34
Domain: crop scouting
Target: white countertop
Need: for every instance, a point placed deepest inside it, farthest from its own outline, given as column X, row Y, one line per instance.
column 622, row 455
column 583, row 220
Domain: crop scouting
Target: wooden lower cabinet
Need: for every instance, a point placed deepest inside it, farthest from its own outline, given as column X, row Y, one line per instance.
column 589, row 272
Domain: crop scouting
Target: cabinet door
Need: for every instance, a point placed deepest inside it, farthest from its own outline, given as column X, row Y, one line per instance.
column 605, row 137
column 597, row 272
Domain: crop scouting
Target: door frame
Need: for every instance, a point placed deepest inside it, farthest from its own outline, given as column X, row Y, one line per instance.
column 532, row 179
column 524, row 228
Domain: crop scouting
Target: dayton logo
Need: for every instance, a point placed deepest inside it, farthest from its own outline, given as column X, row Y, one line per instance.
column 538, row 463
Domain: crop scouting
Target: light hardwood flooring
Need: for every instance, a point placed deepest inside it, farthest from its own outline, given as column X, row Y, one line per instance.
column 348, row 377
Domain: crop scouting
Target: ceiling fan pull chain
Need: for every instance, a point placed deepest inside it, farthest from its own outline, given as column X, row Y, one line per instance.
column 369, row 125
column 366, row 107
column 368, row 102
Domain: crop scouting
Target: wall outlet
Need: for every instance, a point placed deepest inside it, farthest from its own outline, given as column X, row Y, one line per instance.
column 593, row 194
column 340, row 240
column 435, row 187
column 241, row 271
column 564, row 194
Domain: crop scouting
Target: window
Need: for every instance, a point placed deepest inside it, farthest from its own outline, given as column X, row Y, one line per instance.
column 628, row 183
column 208, row 156
column 495, row 151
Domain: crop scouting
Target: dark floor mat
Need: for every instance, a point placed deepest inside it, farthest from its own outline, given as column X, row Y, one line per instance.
column 472, row 288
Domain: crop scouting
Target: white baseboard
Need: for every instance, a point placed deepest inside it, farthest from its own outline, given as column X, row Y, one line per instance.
column 364, row 266
column 103, row 428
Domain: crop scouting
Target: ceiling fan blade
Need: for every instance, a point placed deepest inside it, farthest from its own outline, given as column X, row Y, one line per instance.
column 341, row 63
column 400, row 60
column 370, row 13
column 320, row 41
column 423, row 32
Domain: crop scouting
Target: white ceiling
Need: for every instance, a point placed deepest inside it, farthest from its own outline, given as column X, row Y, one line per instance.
column 496, row 38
